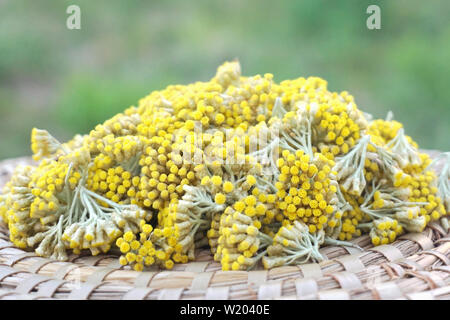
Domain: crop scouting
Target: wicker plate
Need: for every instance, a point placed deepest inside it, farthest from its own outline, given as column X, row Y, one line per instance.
column 415, row 266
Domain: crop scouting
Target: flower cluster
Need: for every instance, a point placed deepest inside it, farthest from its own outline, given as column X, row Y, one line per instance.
column 239, row 241
column 138, row 252
column 305, row 191
column 256, row 171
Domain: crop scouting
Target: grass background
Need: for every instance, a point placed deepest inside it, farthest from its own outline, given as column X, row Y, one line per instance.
column 67, row 81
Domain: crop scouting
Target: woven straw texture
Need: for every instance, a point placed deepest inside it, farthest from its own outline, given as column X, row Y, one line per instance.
column 416, row 266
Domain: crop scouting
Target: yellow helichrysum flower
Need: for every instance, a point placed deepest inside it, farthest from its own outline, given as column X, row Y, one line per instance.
column 323, row 171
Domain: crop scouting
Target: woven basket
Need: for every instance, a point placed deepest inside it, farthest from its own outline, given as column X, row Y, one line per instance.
column 415, row 266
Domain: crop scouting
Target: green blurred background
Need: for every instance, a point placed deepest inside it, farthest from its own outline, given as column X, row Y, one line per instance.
column 67, row 81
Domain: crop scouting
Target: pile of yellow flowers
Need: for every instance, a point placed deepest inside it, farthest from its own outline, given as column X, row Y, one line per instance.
column 258, row 171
